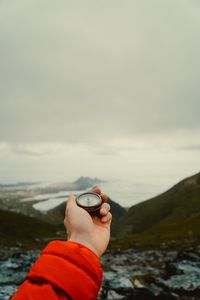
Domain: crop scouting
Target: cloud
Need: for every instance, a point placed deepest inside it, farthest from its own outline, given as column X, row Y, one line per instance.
column 98, row 72
column 31, row 150
column 190, row 147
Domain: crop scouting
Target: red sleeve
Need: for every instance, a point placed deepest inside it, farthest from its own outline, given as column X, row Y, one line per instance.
column 65, row 270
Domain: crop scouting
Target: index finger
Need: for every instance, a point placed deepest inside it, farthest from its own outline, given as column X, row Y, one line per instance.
column 96, row 190
column 104, row 197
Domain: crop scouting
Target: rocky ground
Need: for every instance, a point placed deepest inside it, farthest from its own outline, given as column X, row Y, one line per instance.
column 14, row 265
column 151, row 275
column 128, row 274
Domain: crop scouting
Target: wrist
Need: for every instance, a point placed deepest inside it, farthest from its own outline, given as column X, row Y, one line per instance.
column 85, row 243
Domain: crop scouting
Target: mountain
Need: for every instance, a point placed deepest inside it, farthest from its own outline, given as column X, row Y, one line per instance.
column 171, row 216
column 86, row 182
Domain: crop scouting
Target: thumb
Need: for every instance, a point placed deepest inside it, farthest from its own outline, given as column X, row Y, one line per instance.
column 71, row 202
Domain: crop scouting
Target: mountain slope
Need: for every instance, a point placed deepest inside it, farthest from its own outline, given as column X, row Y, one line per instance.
column 173, row 214
column 18, row 229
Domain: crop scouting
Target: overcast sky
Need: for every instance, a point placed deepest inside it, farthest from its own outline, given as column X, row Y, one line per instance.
column 99, row 88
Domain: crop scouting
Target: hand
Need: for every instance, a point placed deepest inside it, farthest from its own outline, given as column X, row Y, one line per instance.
column 93, row 232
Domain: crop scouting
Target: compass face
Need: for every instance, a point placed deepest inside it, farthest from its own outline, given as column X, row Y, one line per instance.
column 89, row 200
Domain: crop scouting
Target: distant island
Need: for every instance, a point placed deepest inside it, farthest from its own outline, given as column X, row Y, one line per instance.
column 79, row 184
column 87, row 182
column 18, row 184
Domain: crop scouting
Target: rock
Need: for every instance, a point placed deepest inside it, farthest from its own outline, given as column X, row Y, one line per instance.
column 140, row 275
column 7, row 291
column 14, row 265
column 138, row 284
column 182, row 274
column 117, row 283
column 112, row 295
column 188, row 256
column 160, row 294
column 141, row 294
column 186, row 277
column 163, row 274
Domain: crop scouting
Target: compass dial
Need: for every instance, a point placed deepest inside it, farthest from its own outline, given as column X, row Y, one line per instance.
column 89, row 200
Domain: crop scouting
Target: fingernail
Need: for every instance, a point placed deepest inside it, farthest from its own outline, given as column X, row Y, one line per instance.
column 104, row 219
column 103, row 210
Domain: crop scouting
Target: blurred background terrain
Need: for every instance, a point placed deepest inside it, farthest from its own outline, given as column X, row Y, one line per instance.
column 154, row 248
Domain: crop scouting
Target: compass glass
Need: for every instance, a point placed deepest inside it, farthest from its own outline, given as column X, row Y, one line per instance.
column 89, row 200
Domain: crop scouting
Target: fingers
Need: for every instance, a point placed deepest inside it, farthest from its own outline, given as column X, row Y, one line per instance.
column 107, row 218
column 105, row 208
column 97, row 190
column 104, row 197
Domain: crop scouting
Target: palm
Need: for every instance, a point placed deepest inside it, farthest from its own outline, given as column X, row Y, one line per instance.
column 84, row 225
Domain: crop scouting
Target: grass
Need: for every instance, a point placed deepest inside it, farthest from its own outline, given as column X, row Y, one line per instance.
column 171, row 218
column 20, row 230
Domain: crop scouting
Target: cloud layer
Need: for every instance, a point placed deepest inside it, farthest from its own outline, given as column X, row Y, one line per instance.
column 84, row 72
column 98, row 80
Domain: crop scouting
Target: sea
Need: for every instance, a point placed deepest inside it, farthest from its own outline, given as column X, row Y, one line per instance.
column 126, row 192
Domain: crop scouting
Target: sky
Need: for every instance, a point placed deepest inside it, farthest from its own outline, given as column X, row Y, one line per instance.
column 99, row 88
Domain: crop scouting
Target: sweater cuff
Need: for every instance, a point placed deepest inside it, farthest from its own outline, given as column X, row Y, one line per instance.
column 71, row 267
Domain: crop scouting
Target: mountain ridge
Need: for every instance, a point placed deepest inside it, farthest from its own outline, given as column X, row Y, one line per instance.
column 174, row 214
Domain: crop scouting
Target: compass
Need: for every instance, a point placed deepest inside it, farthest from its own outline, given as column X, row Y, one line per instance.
column 89, row 201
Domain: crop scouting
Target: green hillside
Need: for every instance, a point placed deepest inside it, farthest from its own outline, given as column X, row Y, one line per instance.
column 18, row 229
column 171, row 216
column 31, row 232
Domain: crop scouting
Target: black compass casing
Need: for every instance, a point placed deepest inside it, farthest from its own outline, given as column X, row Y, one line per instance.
column 89, row 201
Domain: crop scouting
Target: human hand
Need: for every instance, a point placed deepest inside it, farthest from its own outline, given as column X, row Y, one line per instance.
column 92, row 231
